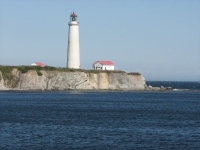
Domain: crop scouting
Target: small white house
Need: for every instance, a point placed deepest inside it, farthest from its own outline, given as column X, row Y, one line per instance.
column 103, row 65
column 38, row 64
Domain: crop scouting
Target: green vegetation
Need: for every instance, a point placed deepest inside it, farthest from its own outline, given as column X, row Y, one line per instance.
column 10, row 79
column 39, row 73
column 102, row 71
column 6, row 70
column 25, row 69
column 134, row 73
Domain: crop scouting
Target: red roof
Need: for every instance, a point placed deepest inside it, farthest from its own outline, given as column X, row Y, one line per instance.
column 40, row 64
column 73, row 15
column 104, row 62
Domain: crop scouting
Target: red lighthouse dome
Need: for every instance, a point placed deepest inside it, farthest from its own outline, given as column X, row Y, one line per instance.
column 73, row 17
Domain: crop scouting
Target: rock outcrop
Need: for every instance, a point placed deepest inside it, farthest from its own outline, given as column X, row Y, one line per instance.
column 56, row 80
column 162, row 88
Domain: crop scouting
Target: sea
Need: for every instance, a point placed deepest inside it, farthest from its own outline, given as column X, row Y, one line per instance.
column 102, row 120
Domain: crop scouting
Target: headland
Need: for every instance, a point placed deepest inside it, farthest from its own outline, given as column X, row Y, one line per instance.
column 51, row 78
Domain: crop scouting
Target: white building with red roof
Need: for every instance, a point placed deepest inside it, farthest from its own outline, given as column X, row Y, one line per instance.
column 38, row 64
column 103, row 65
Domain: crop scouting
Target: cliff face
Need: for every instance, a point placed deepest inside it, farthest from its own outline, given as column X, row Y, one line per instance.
column 55, row 80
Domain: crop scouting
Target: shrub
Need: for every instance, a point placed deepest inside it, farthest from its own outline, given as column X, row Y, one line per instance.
column 39, row 73
column 133, row 73
column 6, row 72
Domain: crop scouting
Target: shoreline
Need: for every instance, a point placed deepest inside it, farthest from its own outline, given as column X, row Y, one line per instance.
column 101, row 90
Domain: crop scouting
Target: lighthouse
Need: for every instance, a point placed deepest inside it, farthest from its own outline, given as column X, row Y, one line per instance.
column 73, row 52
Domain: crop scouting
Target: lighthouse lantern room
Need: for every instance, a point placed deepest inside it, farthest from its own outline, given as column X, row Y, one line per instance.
column 73, row 17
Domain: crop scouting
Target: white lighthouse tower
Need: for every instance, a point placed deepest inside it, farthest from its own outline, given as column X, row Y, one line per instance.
column 73, row 53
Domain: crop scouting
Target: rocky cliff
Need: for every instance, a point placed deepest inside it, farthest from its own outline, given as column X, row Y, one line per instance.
column 58, row 80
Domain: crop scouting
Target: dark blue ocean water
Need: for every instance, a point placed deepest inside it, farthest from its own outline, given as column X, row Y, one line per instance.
column 100, row 120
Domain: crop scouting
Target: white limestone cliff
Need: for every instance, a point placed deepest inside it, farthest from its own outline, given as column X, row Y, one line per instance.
column 55, row 80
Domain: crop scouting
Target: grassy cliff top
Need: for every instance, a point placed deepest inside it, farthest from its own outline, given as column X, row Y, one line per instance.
column 6, row 70
column 25, row 69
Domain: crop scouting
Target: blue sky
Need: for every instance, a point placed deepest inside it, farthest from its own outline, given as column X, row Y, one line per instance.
column 160, row 39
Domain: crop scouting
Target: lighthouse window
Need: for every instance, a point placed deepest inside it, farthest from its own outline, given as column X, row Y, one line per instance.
column 73, row 18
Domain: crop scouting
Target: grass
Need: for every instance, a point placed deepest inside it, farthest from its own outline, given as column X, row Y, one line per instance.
column 102, row 71
column 134, row 73
column 6, row 70
column 8, row 76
